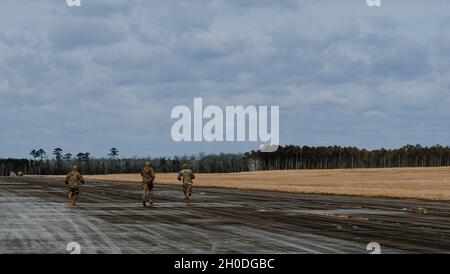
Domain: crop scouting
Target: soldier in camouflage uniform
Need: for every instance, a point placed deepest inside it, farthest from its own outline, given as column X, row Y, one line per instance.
column 74, row 181
column 148, row 176
column 186, row 176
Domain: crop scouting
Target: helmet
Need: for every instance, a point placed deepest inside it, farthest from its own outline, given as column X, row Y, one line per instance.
column 148, row 164
column 75, row 168
column 185, row 166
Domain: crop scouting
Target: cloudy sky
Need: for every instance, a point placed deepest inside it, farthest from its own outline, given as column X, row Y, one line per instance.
column 109, row 72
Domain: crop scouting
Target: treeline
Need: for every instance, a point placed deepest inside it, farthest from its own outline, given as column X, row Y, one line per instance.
column 221, row 163
column 336, row 157
column 287, row 157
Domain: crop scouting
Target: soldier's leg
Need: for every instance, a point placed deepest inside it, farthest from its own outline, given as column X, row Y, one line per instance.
column 187, row 193
column 190, row 191
column 70, row 194
column 150, row 194
column 75, row 194
column 144, row 194
column 184, row 193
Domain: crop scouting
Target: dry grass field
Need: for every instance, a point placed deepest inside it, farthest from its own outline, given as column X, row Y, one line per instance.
column 416, row 183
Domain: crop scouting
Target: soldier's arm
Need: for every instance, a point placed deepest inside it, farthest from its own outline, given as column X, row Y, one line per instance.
column 82, row 179
column 66, row 181
column 192, row 176
column 153, row 174
column 179, row 176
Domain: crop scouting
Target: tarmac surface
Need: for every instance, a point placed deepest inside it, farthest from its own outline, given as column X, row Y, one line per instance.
column 35, row 217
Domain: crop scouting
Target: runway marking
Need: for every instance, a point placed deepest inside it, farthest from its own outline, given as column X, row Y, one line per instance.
column 37, row 224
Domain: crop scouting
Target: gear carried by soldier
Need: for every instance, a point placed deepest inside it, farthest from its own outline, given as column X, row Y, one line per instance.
column 186, row 176
column 148, row 177
column 74, row 180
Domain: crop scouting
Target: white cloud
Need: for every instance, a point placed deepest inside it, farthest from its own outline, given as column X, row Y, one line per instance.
column 108, row 73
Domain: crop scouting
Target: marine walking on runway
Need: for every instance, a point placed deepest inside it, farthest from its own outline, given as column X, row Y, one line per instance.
column 74, row 180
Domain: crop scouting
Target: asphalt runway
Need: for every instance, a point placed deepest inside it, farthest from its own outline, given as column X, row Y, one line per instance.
column 36, row 218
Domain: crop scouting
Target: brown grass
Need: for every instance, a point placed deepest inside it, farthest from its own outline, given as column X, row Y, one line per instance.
column 419, row 183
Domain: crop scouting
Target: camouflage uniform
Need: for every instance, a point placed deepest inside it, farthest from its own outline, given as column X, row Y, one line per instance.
column 186, row 176
column 74, row 181
column 148, row 176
